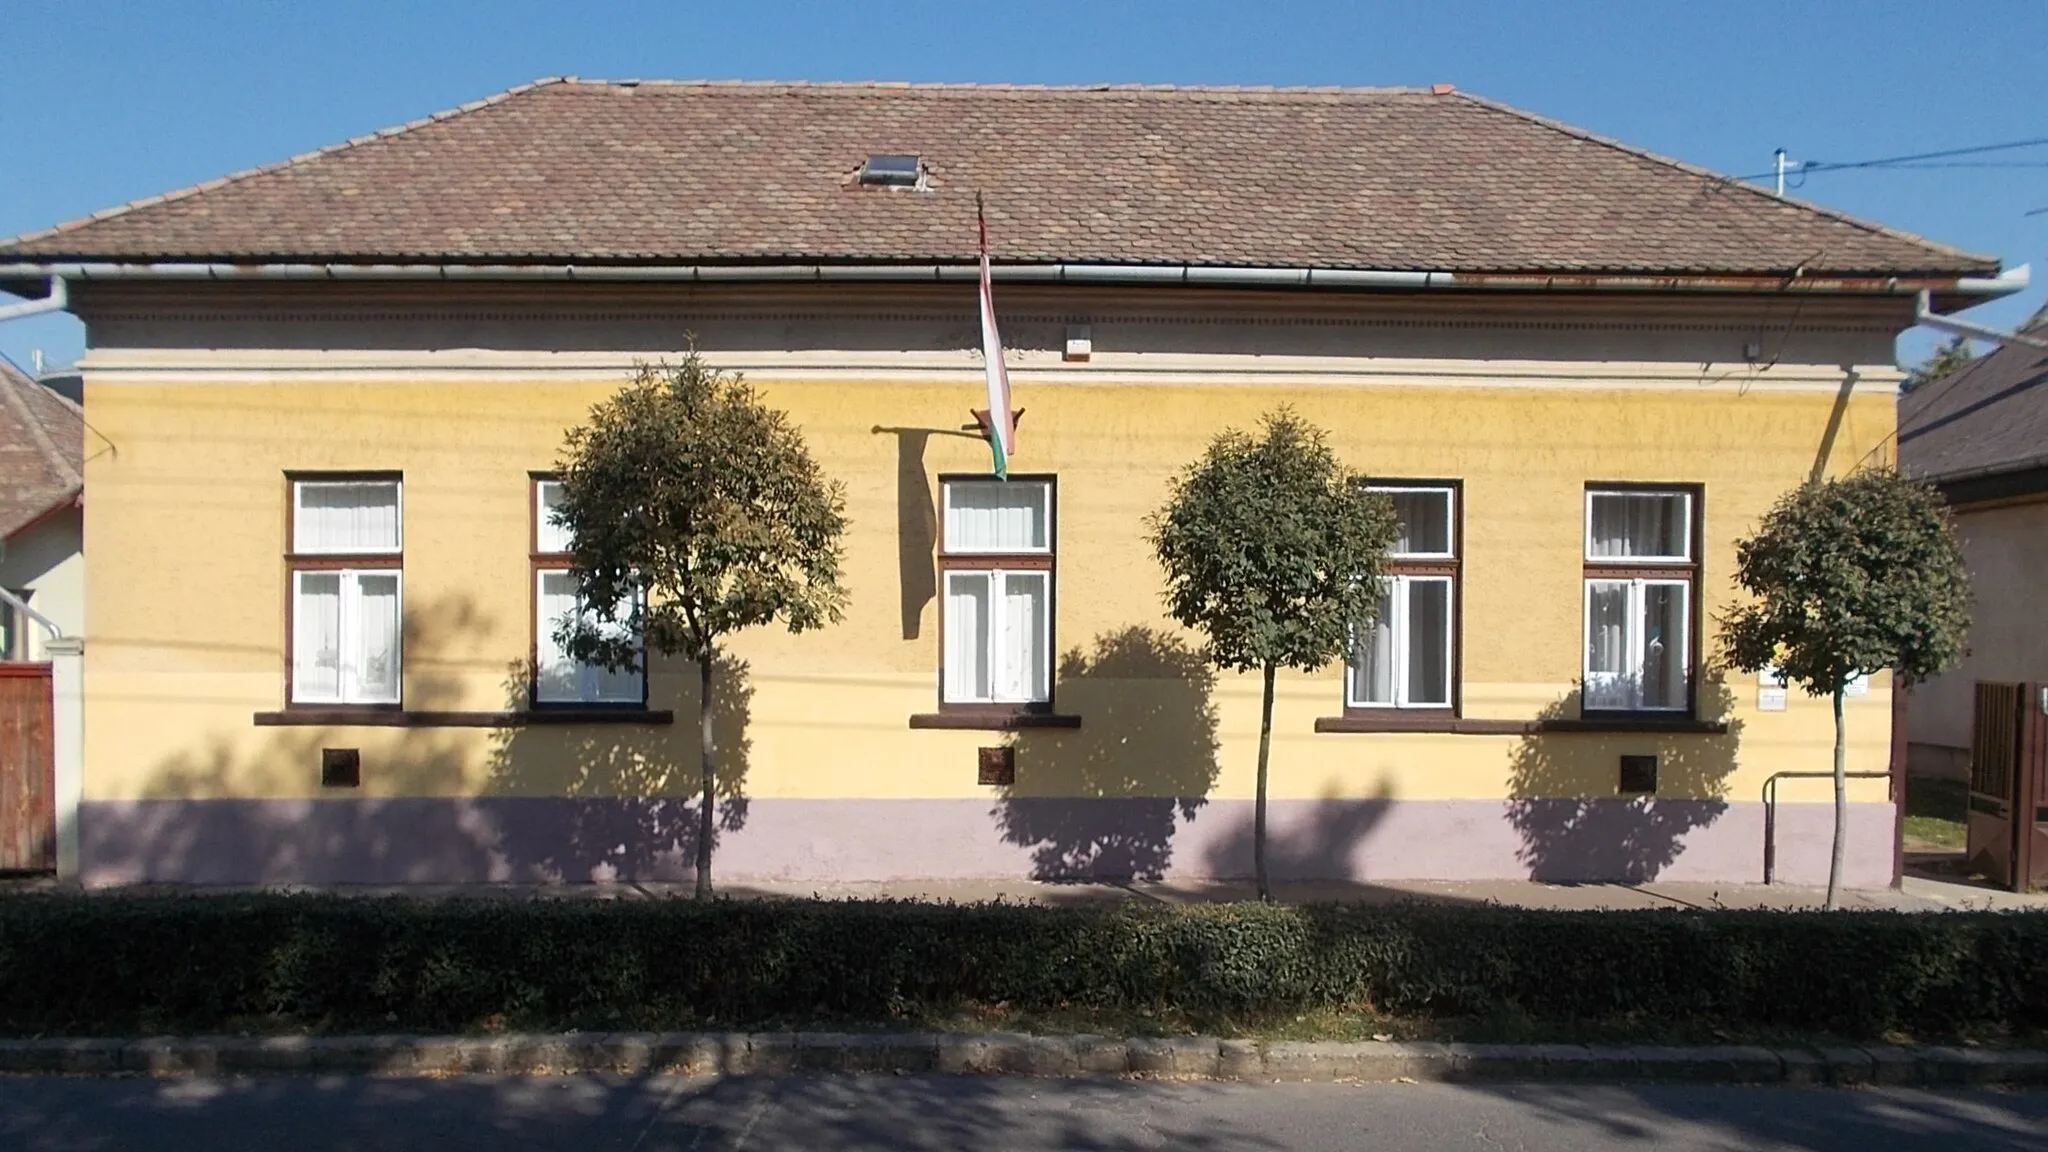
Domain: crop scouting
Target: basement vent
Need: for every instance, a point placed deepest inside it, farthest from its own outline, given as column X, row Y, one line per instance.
column 341, row 768
column 891, row 171
column 1638, row 776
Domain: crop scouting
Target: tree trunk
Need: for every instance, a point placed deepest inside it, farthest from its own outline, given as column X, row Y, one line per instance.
column 710, row 773
column 1841, row 811
column 1259, row 805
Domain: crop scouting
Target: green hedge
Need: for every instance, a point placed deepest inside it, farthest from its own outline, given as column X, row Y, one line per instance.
column 115, row 964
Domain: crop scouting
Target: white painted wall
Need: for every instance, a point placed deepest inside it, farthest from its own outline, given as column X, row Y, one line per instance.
column 2007, row 553
column 48, row 561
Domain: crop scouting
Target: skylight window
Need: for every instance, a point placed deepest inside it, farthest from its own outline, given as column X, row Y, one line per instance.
column 890, row 171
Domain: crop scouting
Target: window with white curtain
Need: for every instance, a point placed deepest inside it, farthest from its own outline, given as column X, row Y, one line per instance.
column 1405, row 659
column 997, row 555
column 346, row 590
column 1640, row 574
column 559, row 678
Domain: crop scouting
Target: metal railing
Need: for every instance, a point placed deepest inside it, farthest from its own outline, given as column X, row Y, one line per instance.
column 1771, row 808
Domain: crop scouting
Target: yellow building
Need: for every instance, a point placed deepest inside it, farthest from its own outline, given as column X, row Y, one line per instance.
column 325, row 398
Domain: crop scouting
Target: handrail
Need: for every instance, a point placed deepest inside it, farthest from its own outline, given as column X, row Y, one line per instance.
column 1770, row 798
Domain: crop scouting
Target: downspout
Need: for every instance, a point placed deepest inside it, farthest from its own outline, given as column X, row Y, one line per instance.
column 58, row 299
column 2009, row 282
column 67, row 666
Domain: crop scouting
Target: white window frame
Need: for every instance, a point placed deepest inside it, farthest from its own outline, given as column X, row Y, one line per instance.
column 1684, row 527
column 1450, row 495
column 589, row 677
column 999, row 634
column 1045, row 508
column 349, row 623
column 541, row 525
column 1631, row 673
column 398, row 544
column 1399, row 587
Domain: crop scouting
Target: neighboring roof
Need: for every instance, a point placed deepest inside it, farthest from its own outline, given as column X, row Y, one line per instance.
column 671, row 172
column 42, row 449
column 1989, row 416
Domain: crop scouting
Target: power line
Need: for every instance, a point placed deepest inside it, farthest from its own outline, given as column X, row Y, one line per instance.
column 1807, row 166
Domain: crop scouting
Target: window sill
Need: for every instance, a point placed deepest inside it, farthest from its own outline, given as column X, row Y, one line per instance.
column 396, row 718
column 1420, row 722
column 1454, row 725
column 1651, row 724
column 993, row 721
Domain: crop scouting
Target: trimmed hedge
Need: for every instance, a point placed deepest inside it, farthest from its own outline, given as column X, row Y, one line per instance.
column 125, row 964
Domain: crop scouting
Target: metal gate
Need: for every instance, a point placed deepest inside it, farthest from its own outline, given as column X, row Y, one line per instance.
column 28, row 809
column 2008, row 830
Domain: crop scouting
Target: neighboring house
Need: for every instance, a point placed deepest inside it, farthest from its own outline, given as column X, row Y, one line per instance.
column 42, row 438
column 335, row 388
column 1981, row 436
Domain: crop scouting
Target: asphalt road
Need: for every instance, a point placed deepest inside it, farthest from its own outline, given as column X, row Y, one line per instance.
column 993, row 1114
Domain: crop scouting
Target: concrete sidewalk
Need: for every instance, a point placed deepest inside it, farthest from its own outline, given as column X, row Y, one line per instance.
column 1918, row 894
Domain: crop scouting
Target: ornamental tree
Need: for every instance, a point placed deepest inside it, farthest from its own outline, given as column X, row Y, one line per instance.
column 694, row 510
column 1276, row 552
column 1849, row 577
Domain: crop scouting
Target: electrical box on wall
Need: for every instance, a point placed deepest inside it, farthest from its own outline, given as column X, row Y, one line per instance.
column 998, row 766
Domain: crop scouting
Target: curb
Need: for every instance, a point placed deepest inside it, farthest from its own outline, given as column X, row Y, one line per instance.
column 1012, row 1054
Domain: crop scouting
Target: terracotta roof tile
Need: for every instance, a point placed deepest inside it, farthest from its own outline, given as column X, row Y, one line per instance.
column 42, row 448
column 568, row 170
column 1990, row 416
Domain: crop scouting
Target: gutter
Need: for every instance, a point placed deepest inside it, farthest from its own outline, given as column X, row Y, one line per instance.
column 1064, row 272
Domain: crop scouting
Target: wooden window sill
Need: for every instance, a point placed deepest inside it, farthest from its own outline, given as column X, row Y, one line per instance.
column 993, row 721
column 1650, row 723
column 1454, row 725
column 1412, row 722
column 397, row 718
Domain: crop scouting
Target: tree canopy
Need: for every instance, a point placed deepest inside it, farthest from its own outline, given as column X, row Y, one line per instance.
column 1273, row 549
column 1850, row 576
column 1942, row 362
column 697, row 508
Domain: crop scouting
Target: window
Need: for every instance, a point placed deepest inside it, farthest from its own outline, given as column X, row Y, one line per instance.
column 346, row 587
column 997, row 559
column 558, row 678
column 1641, row 567
column 1407, row 658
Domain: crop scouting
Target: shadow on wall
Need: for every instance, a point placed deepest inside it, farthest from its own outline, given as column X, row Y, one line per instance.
column 584, row 802
column 1103, row 801
column 1575, row 824
column 1322, row 844
column 917, row 528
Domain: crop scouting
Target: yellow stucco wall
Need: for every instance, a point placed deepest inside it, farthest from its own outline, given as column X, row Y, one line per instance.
column 185, row 529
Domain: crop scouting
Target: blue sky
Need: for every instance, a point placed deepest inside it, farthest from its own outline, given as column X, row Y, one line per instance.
column 106, row 102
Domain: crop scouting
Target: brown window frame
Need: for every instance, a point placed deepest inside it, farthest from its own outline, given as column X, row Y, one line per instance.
column 1047, row 562
column 1452, row 567
column 296, row 562
column 1690, row 570
column 539, row 562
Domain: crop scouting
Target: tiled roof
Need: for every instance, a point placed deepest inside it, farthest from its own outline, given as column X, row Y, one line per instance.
column 42, row 449
column 1990, row 416
column 665, row 172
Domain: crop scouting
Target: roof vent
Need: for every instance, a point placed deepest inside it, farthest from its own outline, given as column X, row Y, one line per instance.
column 891, row 171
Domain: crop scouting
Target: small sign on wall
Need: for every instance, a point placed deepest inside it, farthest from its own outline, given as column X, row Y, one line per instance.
column 1771, row 694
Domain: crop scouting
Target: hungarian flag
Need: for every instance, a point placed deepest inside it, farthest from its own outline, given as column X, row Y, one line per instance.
column 1002, row 434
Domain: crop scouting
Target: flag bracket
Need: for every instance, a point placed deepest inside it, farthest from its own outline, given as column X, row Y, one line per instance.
column 980, row 425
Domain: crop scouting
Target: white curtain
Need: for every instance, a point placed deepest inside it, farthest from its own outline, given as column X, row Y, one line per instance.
column 346, row 516
column 996, row 516
column 549, row 536
column 1021, row 659
column 1607, row 644
column 1425, row 521
column 1638, row 524
column 562, row 679
column 316, row 637
column 967, row 636
column 1664, row 645
column 373, row 652
column 1372, row 672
